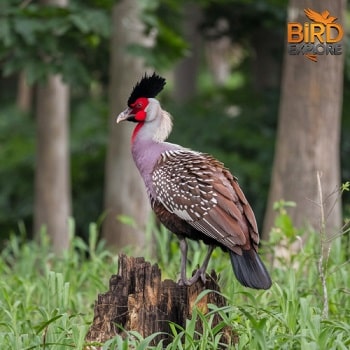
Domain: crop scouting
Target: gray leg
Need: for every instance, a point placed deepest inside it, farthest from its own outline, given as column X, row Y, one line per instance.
column 183, row 249
column 200, row 273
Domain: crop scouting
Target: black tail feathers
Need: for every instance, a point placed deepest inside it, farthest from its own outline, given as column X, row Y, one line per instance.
column 250, row 270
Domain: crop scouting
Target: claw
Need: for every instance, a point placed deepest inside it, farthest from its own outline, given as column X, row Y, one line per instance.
column 185, row 282
column 199, row 274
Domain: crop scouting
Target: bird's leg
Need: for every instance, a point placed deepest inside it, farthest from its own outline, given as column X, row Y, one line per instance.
column 200, row 273
column 183, row 249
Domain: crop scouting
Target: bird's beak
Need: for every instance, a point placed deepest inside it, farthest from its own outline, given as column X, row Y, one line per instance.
column 123, row 115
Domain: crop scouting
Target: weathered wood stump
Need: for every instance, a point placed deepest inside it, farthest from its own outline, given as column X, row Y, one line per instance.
column 139, row 300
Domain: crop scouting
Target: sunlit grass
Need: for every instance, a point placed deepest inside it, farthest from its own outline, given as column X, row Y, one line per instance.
column 46, row 302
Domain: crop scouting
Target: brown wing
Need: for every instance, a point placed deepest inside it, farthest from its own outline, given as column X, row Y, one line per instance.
column 198, row 189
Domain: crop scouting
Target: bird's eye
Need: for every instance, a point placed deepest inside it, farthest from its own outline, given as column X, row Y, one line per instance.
column 137, row 105
column 140, row 104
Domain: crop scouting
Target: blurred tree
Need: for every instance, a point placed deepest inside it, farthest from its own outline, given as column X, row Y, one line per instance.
column 124, row 193
column 52, row 175
column 187, row 70
column 308, row 136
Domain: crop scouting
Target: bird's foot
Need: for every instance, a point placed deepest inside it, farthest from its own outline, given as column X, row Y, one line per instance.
column 199, row 274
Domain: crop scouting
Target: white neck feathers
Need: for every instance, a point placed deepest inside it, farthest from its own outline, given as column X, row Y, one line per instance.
column 164, row 127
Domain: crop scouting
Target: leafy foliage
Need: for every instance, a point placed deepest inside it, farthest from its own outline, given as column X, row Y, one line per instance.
column 43, row 40
column 17, row 157
column 162, row 22
column 244, row 18
column 17, row 140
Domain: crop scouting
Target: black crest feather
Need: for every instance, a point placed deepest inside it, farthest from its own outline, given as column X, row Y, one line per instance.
column 148, row 86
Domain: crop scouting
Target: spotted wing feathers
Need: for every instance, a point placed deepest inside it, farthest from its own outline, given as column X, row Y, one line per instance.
column 198, row 189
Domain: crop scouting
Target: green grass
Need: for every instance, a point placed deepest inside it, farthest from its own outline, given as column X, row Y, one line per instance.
column 46, row 302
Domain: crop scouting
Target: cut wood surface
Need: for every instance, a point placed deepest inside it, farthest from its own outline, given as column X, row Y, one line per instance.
column 138, row 300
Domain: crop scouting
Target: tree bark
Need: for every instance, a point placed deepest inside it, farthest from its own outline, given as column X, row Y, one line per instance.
column 139, row 300
column 308, row 135
column 52, row 174
column 124, row 192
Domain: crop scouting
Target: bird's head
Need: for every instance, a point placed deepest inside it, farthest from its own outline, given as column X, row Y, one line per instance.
column 145, row 110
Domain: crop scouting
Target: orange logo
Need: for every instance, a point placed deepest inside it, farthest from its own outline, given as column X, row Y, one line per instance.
column 320, row 37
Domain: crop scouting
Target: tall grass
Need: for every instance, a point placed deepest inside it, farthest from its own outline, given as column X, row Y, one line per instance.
column 46, row 302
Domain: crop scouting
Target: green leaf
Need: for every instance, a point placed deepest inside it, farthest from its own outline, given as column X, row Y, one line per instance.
column 41, row 326
column 79, row 22
column 5, row 32
column 127, row 220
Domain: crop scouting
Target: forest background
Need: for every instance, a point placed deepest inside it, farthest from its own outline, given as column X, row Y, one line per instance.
column 67, row 70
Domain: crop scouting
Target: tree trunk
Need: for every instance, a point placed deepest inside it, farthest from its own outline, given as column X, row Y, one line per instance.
column 138, row 300
column 124, row 192
column 308, row 135
column 52, row 179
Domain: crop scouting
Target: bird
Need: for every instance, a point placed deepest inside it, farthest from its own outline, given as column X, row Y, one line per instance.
column 322, row 17
column 191, row 193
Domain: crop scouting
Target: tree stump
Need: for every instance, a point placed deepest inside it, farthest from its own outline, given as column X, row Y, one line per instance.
column 139, row 300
